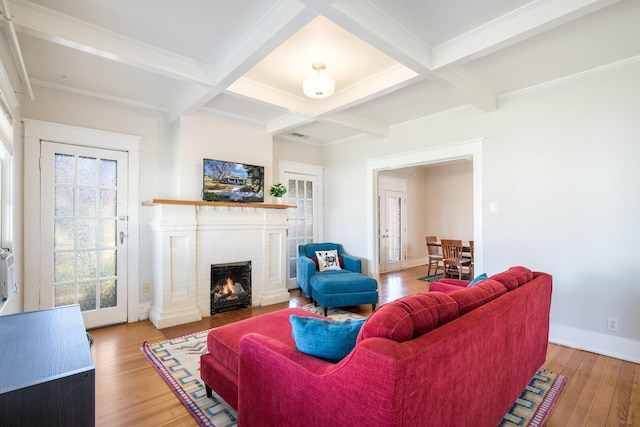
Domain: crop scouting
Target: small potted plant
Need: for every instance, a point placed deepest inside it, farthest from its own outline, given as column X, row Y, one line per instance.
column 278, row 191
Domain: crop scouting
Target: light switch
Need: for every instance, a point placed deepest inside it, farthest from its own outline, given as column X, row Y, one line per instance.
column 493, row 207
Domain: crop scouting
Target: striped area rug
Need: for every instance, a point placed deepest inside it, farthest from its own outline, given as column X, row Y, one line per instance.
column 178, row 362
column 534, row 405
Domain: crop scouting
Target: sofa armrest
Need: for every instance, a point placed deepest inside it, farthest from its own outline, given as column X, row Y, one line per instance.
column 352, row 263
column 306, row 270
column 278, row 385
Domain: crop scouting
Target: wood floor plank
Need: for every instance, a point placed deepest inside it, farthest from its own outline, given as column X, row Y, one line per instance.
column 602, row 400
column 618, row 416
column 633, row 417
column 592, row 373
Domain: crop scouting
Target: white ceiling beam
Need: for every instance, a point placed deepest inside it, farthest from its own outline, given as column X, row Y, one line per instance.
column 284, row 20
column 376, row 28
column 76, row 34
column 355, row 122
column 267, row 94
column 287, row 122
column 519, row 24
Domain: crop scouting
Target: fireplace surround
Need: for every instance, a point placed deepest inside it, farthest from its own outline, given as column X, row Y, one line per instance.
column 190, row 236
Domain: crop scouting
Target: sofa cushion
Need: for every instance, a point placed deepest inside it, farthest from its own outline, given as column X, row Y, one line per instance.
column 343, row 281
column 224, row 342
column 326, row 339
column 479, row 278
column 473, row 297
column 328, row 260
column 315, row 261
column 409, row 317
column 513, row 277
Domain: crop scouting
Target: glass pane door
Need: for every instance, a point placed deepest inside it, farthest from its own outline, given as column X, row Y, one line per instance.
column 85, row 216
column 300, row 192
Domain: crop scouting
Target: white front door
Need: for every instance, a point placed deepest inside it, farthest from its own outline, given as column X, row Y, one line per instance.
column 84, row 231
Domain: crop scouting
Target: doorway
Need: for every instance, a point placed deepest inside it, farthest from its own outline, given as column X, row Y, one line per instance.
column 84, row 241
column 82, row 245
column 467, row 149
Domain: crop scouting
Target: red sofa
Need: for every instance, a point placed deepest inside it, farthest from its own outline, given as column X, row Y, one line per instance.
column 432, row 359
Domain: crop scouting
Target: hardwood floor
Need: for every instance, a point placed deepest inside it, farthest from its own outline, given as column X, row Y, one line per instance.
column 600, row 391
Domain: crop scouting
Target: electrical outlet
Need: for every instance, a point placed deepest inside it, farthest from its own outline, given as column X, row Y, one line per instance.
column 612, row 324
column 146, row 288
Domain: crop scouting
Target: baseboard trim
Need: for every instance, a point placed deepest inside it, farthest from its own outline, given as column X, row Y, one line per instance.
column 595, row 342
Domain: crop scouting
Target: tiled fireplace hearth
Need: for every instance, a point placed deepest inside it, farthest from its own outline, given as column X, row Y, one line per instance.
column 190, row 237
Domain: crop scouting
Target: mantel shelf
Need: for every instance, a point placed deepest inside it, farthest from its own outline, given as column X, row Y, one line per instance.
column 154, row 202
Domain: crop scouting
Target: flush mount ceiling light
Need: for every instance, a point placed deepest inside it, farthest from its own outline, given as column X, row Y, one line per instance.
column 318, row 85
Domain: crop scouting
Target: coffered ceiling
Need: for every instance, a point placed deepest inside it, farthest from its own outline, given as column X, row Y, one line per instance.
column 392, row 60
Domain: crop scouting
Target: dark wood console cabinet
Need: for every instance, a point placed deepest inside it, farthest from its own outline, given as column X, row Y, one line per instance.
column 47, row 376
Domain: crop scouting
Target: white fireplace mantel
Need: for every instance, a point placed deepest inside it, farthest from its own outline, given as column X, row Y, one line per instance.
column 188, row 237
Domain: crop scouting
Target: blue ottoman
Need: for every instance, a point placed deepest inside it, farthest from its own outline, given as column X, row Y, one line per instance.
column 343, row 288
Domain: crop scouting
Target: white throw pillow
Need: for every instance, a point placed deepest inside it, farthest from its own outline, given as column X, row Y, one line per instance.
column 328, row 260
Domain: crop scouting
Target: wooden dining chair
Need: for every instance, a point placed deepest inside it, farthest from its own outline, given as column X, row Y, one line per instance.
column 452, row 258
column 435, row 258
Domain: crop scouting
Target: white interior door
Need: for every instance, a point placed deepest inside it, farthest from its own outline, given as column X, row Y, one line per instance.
column 392, row 219
column 302, row 192
column 84, row 231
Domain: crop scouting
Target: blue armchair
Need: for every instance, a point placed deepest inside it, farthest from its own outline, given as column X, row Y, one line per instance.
column 334, row 288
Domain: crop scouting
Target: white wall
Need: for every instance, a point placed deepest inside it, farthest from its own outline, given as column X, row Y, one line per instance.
column 449, row 195
column 561, row 163
column 204, row 135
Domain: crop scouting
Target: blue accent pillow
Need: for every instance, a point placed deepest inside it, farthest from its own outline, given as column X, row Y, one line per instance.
column 477, row 280
column 326, row 339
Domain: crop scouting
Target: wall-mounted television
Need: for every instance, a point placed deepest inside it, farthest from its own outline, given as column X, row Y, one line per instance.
column 232, row 182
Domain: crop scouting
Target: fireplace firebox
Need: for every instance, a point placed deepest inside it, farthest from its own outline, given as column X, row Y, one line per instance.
column 230, row 286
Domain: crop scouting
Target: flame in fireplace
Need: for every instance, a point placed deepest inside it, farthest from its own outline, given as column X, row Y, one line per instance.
column 229, row 287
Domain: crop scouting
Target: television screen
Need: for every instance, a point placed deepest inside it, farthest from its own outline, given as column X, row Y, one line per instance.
column 232, row 182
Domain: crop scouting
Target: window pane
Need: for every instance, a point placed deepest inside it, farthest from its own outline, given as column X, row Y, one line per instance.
column 107, row 202
column 86, row 233
column 108, row 294
column 108, row 233
column 63, row 267
column 64, row 201
column 63, row 233
column 107, row 263
column 87, row 265
column 64, row 295
column 108, row 173
column 86, row 202
column 87, row 296
column 87, row 171
column 64, row 167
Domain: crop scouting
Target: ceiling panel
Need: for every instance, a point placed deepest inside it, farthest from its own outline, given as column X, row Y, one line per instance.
column 203, row 30
column 597, row 39
column 59, row 65
column 417, row 100
column 436, row 21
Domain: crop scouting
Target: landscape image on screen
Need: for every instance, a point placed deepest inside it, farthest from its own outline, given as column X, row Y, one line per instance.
column 232, row 182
